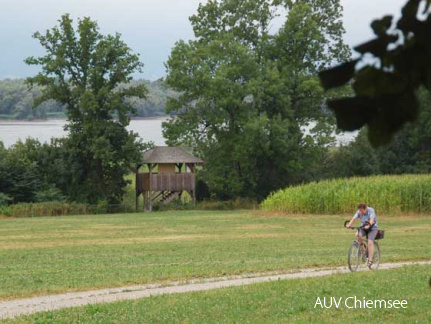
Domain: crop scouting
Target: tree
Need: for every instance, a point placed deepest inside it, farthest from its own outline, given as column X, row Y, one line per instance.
column 82, row 70
column 357, row 158
column 410, row 149
column 386, row 90
column 20, row 180
column 408, row 152
column 245, row 91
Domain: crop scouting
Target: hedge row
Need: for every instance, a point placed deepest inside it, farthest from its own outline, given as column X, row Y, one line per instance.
column 51, row 209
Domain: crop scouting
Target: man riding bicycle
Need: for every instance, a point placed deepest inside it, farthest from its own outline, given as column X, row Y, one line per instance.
column 369, row 226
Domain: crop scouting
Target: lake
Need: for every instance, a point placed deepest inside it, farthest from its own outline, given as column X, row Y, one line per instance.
column 149, row 129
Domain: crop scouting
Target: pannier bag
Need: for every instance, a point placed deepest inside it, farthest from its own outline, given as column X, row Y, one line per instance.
column 380, row 234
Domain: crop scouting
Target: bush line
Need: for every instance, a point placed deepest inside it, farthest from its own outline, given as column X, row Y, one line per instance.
column 53, row 208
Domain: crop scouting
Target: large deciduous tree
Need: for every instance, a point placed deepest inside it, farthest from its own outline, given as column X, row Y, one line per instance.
column 82, row 69
column 246, row 88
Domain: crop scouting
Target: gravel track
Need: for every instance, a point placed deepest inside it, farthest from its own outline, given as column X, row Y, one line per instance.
column 13, row 308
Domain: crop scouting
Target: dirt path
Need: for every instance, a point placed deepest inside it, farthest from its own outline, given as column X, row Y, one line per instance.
column 10, row 309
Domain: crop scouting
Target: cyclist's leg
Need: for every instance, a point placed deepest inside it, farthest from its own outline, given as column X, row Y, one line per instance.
column 370, row 249
column 371, row 238
column 359, row 236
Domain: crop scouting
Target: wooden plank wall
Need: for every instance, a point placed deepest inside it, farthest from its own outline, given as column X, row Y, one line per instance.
column 166, row 182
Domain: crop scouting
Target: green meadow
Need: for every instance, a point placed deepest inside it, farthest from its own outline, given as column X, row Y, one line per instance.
column 49, row 255
column 288, row 301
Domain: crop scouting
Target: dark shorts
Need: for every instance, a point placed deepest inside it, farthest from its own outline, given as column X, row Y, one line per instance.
column 371, row 234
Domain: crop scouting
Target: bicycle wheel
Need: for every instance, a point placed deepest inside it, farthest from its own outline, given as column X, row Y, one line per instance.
column 376, row 258
column 354, row 256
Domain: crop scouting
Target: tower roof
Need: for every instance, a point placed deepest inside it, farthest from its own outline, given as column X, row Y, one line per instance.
column 167, row 154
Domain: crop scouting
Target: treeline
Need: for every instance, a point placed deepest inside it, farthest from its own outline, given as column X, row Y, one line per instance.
column 408, row 153
column 32, row 172
column 16, row 101
column 42, row 180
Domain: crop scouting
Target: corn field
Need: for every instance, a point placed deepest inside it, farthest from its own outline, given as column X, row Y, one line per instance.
column 387, row 194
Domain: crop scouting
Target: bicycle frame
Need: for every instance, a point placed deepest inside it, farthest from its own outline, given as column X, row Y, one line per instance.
column 355, row 258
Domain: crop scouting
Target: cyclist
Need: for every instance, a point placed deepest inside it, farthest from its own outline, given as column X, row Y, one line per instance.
column 369, row 225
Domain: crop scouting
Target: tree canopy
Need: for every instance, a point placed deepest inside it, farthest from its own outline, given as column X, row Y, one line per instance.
column 83, row 69
column 246, row 90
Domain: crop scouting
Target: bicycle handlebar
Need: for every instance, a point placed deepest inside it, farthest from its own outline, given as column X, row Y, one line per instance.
column 353, row 227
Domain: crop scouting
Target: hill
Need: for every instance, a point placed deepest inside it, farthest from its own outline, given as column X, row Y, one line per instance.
column 16, row 101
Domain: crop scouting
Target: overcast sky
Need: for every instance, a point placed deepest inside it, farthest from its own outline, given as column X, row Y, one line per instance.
column 149, row 27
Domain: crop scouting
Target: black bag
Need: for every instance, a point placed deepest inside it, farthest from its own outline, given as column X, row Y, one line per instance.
column 380, row 234
column 366, row 224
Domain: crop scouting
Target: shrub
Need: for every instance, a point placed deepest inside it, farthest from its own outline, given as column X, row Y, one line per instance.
column 173, row 205
column 238, row 203
column 50, row 194
column 202, row 190
column 53, row 208
column 4, row 199
column 101, row 207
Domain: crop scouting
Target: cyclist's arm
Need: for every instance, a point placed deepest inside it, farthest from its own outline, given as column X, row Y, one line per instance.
column 372, row 219
column 352, row 220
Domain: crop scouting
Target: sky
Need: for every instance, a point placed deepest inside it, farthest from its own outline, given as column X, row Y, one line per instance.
column 149, row 27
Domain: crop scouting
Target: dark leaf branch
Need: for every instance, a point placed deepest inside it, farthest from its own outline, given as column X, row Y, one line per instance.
column 385, row 93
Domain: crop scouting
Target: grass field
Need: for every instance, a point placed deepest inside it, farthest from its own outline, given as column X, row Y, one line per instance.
column 276, row 302
column 40, row 256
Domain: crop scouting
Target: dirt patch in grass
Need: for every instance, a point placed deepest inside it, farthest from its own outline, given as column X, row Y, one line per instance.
column 43, row 236
column 114, row 227
column 260, row 226
column 105, row 241
column 272, row 214
column 423, row 227
column 140, row 240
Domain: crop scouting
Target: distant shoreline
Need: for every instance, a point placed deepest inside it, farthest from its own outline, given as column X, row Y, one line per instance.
column 162, row 117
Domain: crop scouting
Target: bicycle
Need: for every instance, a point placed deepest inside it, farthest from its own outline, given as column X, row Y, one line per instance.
column 358, row 255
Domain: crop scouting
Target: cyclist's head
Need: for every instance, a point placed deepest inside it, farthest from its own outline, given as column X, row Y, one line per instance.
column 362, row 207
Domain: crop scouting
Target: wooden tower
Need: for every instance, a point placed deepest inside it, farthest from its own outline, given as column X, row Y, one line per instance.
column 176, row 174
